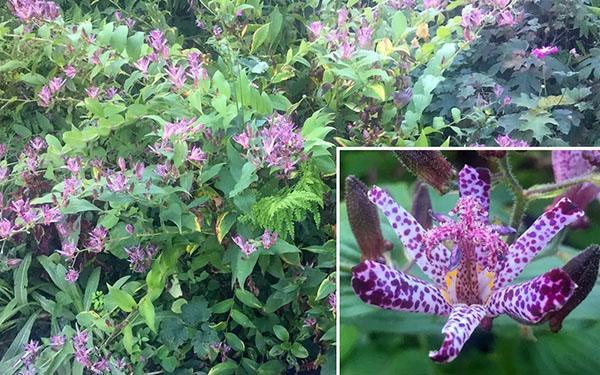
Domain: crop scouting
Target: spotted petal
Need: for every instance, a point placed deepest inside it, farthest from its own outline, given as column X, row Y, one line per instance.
column 535, row 238
column 462, row 322
column 411, row 233
column 530, row 301
column 476, row 183
column 377, row 284
column 568, row 164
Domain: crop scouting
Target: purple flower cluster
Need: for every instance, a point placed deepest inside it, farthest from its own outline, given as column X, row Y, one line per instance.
column 222, row 348
column 30, row 353
column 156, row 40
column 97, row 239
column 140, row 257
column 507, row 141
column 268, row 239
column 34, row 11
column 277, row 145
column 246, row 246
column 542, row 52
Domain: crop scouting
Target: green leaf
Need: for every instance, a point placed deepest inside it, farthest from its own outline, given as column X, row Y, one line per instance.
column 21, row 338
column 172, row 213
column 195, row 311
column 399, row 24
column 259, row 37
column 273, row 367
column 128, row 339
column 77, row 205
column 235, row 342
column 299, row 351
column 121, row 298
column 248, row 298
column 241, row 319
column 146, row 309
column 223, row 368
column 537, row 122
column 21, row 280
column 134, row 45
column 281, row 333
column 247, row 177
column 91, row 288
column 224, row 223
column 180, row 153
column 118, row 39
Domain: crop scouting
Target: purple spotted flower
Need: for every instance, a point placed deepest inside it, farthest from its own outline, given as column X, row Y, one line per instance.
column 508, row 141
column 57, row 342
column 50, row 214
column 72, row 275
column 45, row 97
column 140, row 257
column 92, row 92
column 568, row 164
column 176, row 76
column 142, row 64
column 246, row 246
column 97, row 239
column 470, row 278
column 314, row 30
column 30, row 352
column 82, row 353
column 268, row 239
column 69, row 249
column 542, row 52
column 6, row 228
column 70, row 71
column 156, row 40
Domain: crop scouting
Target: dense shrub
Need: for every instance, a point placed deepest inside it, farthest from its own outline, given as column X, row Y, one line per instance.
column 161, row 210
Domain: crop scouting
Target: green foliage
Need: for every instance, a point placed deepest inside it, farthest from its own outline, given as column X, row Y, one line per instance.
column 291, row 205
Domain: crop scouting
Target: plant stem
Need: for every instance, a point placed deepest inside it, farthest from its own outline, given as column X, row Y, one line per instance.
column 521, row 202
column 539, row 191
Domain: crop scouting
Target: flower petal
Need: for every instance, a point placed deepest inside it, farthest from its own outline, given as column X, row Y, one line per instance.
column 377, row 284
column 535, row 238
column 462, row 322
column 411, row 233
column 476, row 183
column 530, row 301
column 568, row 164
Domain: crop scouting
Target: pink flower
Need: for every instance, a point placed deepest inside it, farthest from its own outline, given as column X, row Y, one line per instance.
column 74, row 165
column 92, row 92
column 50, row 214
column 506, row 18
column 196, row 155
column 34, row 10
column 506, row 101
column 117, row 182
column 6, row 228
column 69, row 250
column 71, row 276
column 268, row 239
column 176, row 75
column 507, row 141
column 471, row 280
column 70, row 71
column 244, row 138
column 314, row 29
column 3, row 173
column 245, row 246
column 431, row 4
column 130, row 23
column 363, row 36
column 97, row 239
column 110, row 92
column 138, row 170
column 542, row 52
column 157, row 41
column 57, row 342
column 38, row 144
column 45, row 96
column 142, row 64
column 346, row 51
column 129, row 228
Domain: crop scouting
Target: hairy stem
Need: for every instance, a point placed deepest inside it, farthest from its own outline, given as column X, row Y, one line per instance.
column 516, row 216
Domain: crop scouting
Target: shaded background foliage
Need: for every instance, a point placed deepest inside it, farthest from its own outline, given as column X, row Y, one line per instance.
column 201, row 306
column 391, row 342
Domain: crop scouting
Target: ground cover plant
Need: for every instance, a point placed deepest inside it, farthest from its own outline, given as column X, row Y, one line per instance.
column 161, row 209
column 505, row 243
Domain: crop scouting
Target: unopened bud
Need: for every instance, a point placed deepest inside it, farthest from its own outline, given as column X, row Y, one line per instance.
column 583, row 270
column 13, row 262
column 430, row 166
column 364, row 220
column 421, row 206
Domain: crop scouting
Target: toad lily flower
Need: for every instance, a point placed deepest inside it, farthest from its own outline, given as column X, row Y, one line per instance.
column 469, row 281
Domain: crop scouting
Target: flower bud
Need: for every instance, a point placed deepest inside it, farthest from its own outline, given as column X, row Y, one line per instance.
column 430, row 166
column 421, row 205
column 583, row 270
column 364, row 220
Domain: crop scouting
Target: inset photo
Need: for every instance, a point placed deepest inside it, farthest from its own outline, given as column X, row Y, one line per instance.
column 469, row 261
